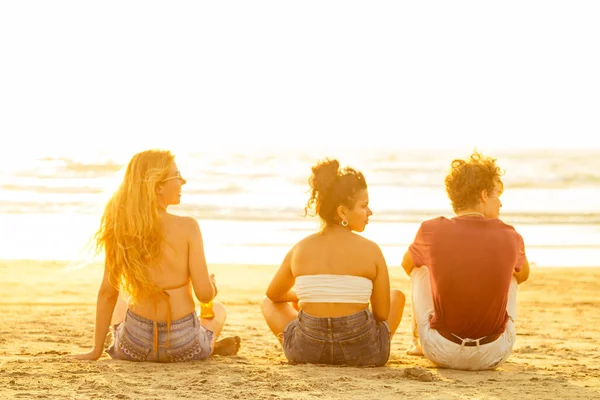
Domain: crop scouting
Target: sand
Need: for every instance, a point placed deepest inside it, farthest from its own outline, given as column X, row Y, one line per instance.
column 48, row 312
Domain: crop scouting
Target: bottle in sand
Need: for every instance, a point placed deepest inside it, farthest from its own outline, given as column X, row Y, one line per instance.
column 206, row 310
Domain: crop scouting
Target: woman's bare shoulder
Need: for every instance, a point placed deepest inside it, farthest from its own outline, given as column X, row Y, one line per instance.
column 365, row 244
column 183, row 223
column 308, row 240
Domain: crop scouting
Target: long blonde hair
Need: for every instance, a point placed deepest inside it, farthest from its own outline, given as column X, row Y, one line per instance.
column 130, row 230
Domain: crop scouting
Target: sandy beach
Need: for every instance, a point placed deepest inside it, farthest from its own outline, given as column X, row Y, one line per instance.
column 48, row 312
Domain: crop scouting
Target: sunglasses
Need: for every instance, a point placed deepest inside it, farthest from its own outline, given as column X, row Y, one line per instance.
column 177, row 176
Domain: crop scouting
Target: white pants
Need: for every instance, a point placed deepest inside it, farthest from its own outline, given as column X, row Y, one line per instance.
column 442, row 351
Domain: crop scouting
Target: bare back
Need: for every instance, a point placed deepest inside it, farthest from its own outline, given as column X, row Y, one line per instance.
column 171, row 271
column 338, row 252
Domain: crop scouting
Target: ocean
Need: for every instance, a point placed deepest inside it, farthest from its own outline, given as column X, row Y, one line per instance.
column 250, row 205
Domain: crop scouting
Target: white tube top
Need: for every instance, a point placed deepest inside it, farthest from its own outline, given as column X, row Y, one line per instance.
column 326, row 288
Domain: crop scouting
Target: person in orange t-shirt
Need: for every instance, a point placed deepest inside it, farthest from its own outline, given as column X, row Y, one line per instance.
column 464, row 273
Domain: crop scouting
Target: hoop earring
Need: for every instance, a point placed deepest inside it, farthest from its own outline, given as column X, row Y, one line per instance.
column 344, row 223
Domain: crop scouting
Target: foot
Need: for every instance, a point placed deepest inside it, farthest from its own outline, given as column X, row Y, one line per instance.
column 415, row 351
column 228, row 346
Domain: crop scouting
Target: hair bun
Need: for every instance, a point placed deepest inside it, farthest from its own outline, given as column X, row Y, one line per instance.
column 324, row 174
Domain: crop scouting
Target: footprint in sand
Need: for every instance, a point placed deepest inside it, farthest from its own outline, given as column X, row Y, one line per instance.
column 419, row 374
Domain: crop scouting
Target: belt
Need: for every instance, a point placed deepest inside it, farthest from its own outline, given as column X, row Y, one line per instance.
column 471, row 342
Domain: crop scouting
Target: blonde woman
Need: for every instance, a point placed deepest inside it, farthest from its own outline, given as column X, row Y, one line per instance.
column 337, row 279
column 158, row 259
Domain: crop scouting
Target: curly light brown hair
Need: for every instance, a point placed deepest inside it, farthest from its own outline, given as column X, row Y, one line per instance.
column 468, row 178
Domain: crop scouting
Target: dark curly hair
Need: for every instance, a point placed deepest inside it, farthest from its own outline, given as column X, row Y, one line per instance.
column 331, row 187
column 468, row 178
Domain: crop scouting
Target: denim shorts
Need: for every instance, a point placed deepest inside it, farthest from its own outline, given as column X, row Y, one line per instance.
column 133, row 340
column 356, row 339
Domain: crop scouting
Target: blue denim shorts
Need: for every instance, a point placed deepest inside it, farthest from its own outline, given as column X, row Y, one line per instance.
column 356, row 339
column 133, row 340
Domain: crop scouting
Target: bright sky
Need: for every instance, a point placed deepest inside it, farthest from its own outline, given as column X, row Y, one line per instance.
column 81, row 76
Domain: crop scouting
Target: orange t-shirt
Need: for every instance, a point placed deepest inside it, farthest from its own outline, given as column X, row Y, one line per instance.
column 471, row 261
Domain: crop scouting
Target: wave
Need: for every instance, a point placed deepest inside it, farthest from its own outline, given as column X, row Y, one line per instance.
column 233, row 186
column 73, row 167
column 84, row 189
column 530, row 246
column 291, row 214
column 552, row 171
column 234, row 182
column 52, row 189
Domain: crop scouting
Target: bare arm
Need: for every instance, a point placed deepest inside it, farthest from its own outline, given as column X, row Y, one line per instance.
column 420, row 248
column 280, row 289
column 407, row 263
column 105, row 305
column 522, row 275
column 380, row 298
column 202, row 283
